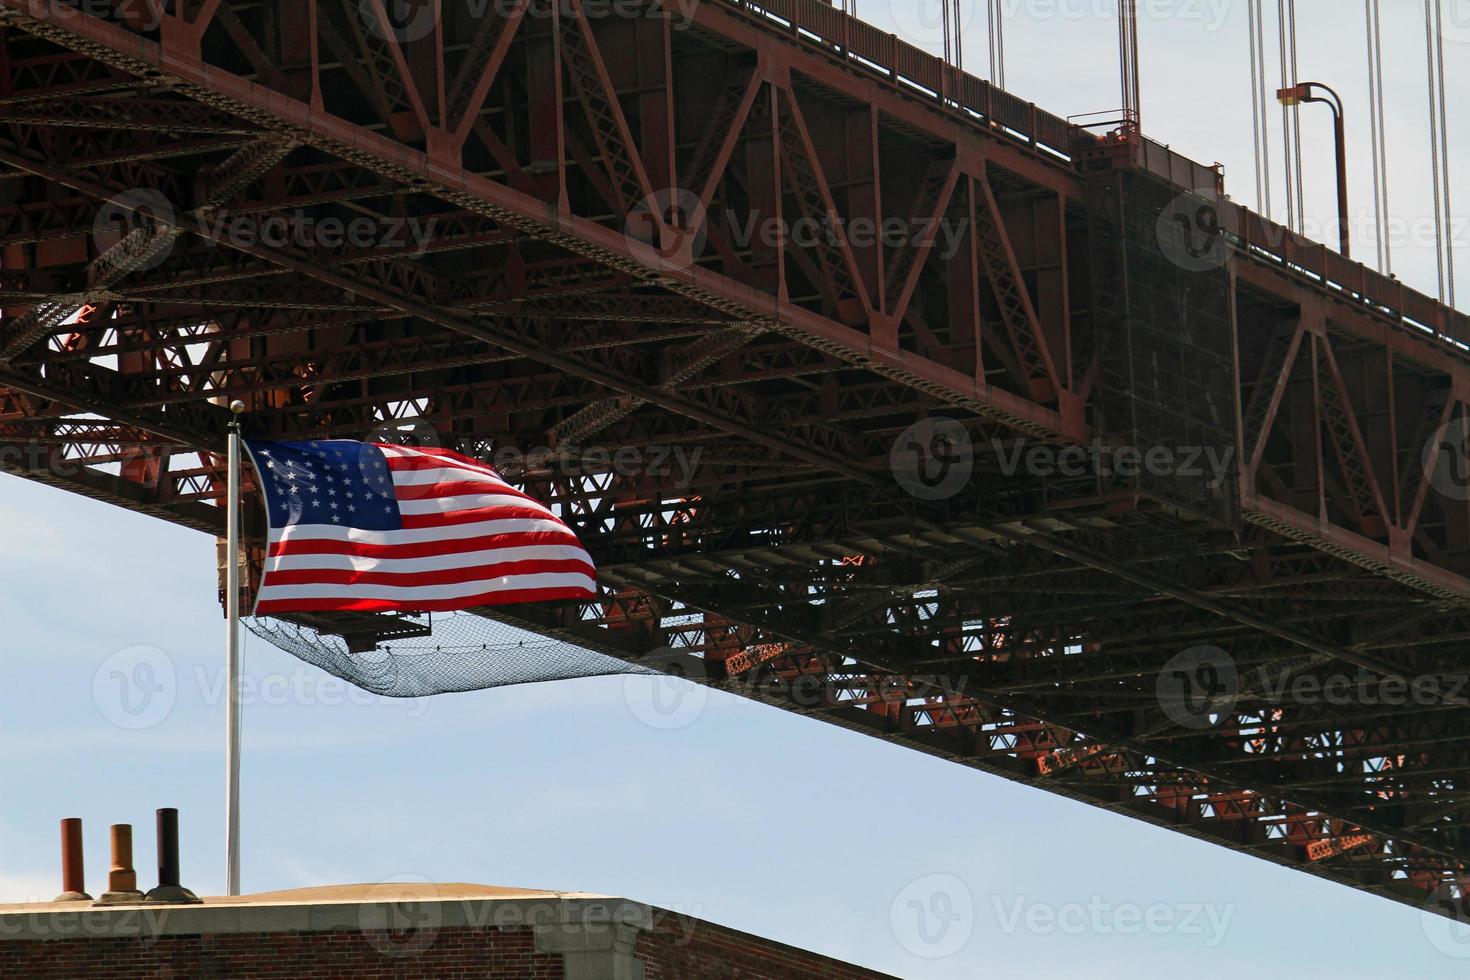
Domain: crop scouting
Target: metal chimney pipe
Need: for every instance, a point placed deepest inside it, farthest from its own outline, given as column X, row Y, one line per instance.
column 168, row 847
column 121, row 877
column 73, row 874
column 122, row 880
column 169, row 891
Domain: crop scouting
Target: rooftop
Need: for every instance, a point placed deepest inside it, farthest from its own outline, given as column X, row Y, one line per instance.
column 423, row 926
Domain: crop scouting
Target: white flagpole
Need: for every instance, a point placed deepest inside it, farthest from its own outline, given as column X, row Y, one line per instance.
column 232, row 662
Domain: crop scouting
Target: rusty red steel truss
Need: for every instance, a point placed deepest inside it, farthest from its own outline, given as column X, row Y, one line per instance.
column 564, row 211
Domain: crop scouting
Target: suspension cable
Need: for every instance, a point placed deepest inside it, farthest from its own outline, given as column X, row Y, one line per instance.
column 1128, row 59
column 1286, row 81
column 1444, row 156
column 959, row 35
column 1434, row 146
column 1373, row 125
column 996, row 23
column 944, row 15
column 1265, row 101
column 1258, row 123
column 1382, row 147
column 1379, row 124
column 1123, row 54
column 1296, row 126
column 954, row 52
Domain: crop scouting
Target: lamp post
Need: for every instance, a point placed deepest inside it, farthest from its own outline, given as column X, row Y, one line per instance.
column 1307, row 92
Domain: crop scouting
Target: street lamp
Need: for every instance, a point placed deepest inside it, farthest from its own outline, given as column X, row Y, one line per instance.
column 1307, row 92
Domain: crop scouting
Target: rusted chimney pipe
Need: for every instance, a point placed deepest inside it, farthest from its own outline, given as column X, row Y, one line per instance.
column 169, row 891
column 121, row 877
column 122, row 880
column 73, row 875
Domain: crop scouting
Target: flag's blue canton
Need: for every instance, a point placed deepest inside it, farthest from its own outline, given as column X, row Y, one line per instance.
column 330, row 481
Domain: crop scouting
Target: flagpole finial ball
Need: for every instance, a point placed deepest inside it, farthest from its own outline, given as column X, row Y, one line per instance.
column 237, row 406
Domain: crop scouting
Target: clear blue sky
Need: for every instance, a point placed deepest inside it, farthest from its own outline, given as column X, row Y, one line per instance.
column 746, row 816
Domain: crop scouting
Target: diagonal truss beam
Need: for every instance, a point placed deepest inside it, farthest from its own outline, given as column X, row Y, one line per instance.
column 510, row 334
column 529, row 215
column 689, row 363
column 605, row 117
column 1017, row 312
column 841, row 280
column 481, row 66
column 141, row 246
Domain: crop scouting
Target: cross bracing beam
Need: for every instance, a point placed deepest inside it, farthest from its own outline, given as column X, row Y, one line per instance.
column 531, row 314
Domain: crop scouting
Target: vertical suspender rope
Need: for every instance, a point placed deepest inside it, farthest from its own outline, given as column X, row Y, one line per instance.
column 1296, row 127
column 1265, row 98
column 1382, row 149
column 996, row 23
column 1123, row 56
column 953, row 46
column 1434, row 147
column 1128, row 59
column 1286, row 80
column 1380, row 135
column 1258, row 122
column 959, row 40
column 1375, row 124
column 1444, row 157
column 944, row 32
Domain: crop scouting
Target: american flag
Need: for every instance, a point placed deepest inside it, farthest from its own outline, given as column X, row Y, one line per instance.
column 372, row 527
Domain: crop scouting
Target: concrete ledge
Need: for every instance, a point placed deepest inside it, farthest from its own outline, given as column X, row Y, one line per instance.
column 578, row 917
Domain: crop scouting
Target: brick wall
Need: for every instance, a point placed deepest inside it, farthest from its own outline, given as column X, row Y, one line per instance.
column 530, row 937
column 348, row 954
column 711, row 952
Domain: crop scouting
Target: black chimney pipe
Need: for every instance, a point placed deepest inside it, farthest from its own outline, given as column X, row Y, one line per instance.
column 168, row 847
column 169, row 891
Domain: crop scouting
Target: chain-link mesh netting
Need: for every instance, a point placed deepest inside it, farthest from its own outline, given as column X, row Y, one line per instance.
column 459, row 652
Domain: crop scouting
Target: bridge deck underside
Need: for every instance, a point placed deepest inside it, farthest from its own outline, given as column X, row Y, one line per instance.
column 819, row 470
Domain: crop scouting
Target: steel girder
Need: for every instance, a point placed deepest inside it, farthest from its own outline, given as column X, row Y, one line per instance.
column 593, row 276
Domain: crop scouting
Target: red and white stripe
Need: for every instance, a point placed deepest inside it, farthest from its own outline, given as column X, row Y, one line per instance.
column 468, row 539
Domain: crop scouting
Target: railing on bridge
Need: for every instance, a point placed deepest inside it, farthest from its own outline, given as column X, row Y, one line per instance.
column 858, row 43
column 1387, row 296
column 863, row 45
